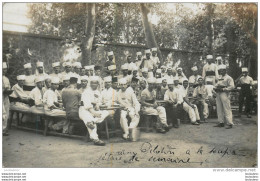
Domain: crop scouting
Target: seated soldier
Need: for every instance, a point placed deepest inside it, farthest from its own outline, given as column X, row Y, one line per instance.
column 47, row 84
column 90, row 112
column 84, row 83
column 53, row 107
column 173, row 109
column 115, row 83
column 134, row 87
column 164, row 87
column 71, row 98
column 150, row 107
column 131, row 107
column 200, row 95
column 159, row 92
column 19, row 98
column 37, row 95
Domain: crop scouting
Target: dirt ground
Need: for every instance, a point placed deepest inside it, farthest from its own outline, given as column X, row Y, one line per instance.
column 188, row 146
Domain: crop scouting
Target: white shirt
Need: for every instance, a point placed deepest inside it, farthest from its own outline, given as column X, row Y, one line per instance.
column 19, row 92
column 210, row 67
column 109, row 96
column 128, row 99
column 156, row 60
column 174, row 96
column 246, row 80
column 90, row 97
column 49, row 97
column 37, row 95
column 209, row 89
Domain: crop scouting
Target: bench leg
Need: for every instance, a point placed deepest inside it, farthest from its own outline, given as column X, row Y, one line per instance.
column 107, row 132
column 46, row 123
column 10, row 120
column 18, row 119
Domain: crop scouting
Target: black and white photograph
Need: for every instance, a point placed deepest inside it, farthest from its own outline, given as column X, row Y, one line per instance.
column 130, row 85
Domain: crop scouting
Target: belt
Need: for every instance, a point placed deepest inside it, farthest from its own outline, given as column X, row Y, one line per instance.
column 210, row 73
column 28, row 88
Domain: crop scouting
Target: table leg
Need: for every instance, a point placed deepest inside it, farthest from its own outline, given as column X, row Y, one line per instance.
column 46, row 123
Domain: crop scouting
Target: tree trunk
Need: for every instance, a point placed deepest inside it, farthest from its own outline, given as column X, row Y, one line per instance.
column 89, row 34
column 210, row 11
column 148, row 30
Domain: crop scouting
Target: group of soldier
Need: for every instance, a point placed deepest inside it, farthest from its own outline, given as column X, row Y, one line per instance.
column 143, row 86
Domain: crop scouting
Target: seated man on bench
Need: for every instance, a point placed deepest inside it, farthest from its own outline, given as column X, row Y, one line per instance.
column 53, row 108
column 19, row 98
column 90, row 112
column 37, row 95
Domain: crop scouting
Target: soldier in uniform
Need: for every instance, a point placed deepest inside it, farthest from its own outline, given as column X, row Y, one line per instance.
column 37, row 96
column 84, row 83
column 223, row 87
column 169, row 73
column 29, row 83
column 6, row 102
column 131, row 107
column 40, row 70
column 193, row 79
column 210, row 69
column 56, row 70
column 180, row 75
column 246, row 83
column 138, row 60
column 148, row 62
column 110, row 61
column 150, row 107
column 124, row 69
column 155, row 58
column 87, row 70
column 67, row 66
column 90, row 112
column 163, row 73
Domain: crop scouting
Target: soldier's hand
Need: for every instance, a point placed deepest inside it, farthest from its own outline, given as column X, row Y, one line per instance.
column 97, row 114
column 90, row 125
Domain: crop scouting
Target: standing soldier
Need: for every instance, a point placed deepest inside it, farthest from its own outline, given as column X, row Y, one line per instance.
column 130, row 64
column 169, row 75
column 6, row 103
column 194, row 78
column 40, row 70
column 29, row 83
column 67, row 66
column 163, row 68
column 131, row 107
column 84, row 83
column 90, row 112
column 56, row 70
column 223, row 87
column 110, row 61
column 124, row 69
column 180, row 75
column 246, row 83
column 138, row 60
column 97, row 69
column 155, row 58
column 147, row 61
column 87, row 69
column 144, row 75
column 210, row 70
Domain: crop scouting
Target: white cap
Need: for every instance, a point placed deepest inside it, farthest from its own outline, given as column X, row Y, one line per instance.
column 56, row 64
column 179, row 68
column 39, row 64
column 55, row 80
column 122, row 81
column 158, row 81
column 77, row 64
column 84, row 77
column 209, row 56
column 27, row 65
column 147, row 51
column 175, row 78
column 195, row 68
column 39, row 79
column 20, row 77
column 219, row 58
column 4, row 65
column 151, row 80
column 244, row 69
column 169, row 81
column 110, row 53
column 47, row 77
column 138, row 53
column 185, row 79
column 65, row 77
column 108, row 79
column 144, row 69
column 112, row 67
column 154, row 49
column 222, row 67
column 124, row 67
column 87, row 67
column 92, row 67
column 150, row 74
column 158, row 71
column 66, row 64
column 135, row 68
column 208, row 79
column 94, row 79
column 163, row 66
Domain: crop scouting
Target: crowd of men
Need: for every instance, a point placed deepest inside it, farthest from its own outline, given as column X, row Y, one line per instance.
column 143, row 86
